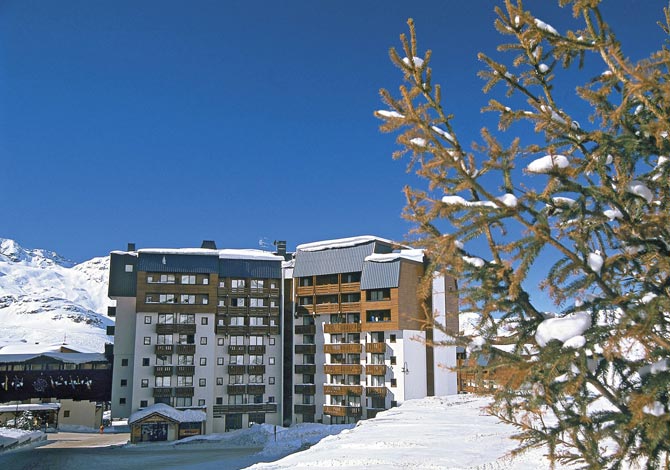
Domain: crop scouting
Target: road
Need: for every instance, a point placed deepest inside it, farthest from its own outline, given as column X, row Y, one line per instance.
column 88, row 451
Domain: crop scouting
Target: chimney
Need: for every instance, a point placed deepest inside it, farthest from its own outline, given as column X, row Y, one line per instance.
column 131, row 247
column 281, row 247
column 209, row 244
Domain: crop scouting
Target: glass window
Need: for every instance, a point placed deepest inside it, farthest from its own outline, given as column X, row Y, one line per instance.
column 257, row 302
column 166, row 318
column 166, row 298
column 147, row 340
column 256, row 321
column 351, row 277
column 378, row 316
column 378, row 294
column 183, row 401
column 187, row 299
column 203, row 361
column 257, row 284
column 129, row 268
column 219, row 361
column 255, row 379
column 185, row 360
column 163, row 381
column 219, row 381
column 237, row 340
column 186, row 339
column 203, row 340
column 255, row 359
column 147, row 320
column 144, row 383
column 256, row 340
column 236, row 321
column 235, row 379
column 162, row 360
column 188, row 279
column 164, row 339
column 271, row 361
column 237, row 283
column 184, row 381
column 202, row 382
column 237, row 301
column 236, row 359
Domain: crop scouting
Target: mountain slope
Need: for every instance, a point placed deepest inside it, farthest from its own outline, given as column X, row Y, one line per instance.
column 47, row 299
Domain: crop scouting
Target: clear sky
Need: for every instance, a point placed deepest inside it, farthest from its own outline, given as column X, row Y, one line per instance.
column 168, row 122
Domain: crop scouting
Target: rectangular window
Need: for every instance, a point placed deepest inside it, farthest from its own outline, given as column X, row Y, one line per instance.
column 219, row 361
column 147, row 340
column 203, row 361
column 255, row 321
column 237, row 359
column 205, row 300
column 378, row 316
column 271, row 380
column 166, row 318
column 274, row 284
column 186, row 339
column 376, row 358
column 203, row 340
column 349, row 298
column 167, row 279
column 378, row 294
column 167, row 298
column 394, row 382
column 187, row 319
column 377, row 380
column 144, row 383
column 164, row 360
column 236, row 321
column 272, row 341
column 257, row 302
column 124, row 362
column 392, row 338
column 185, row 360
column 147, row 320
column 237, row 283
column 204, row 320
column 219, row 381
column 188, row 278
column 181, row 402
column 163, row 381
column 256, row 340
column 144, row 403
column 129, row 268
column 122, row 401
column 205, row 280
column 219, row 341
column 237, row 301
column 271, row 361
column 164, row 339
column 306, row 281
column 187, row 299
column 236, row 340
column 235, row 379
column 257, row 284
column 255, row 359
column 202, row 382
column 184, row 381
column 305, row 300
column 124, row 382
column 235, row 400
column 351, row 277
column 255, row 379
column 145, row 361
column 393, row 360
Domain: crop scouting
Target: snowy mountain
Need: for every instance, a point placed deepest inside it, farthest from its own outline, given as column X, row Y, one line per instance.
column 47, row 299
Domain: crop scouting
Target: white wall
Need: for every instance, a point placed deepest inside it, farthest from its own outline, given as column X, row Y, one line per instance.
column 412, row 357
column 124, row 348
column 444, row 356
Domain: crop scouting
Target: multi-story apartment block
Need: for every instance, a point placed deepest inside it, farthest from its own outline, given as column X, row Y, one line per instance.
column 198, row 328
column 361, row 340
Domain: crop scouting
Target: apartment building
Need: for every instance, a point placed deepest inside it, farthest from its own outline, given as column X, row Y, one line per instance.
column 361, row 342
column 198, row 328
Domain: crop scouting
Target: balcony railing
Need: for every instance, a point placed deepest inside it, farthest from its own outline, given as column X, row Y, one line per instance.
column 305, row 348
column 236, row 349
column 350, row 307
column 334, row 410
column 162, row 392
column 342, row 328
column 375, row 369
column 376, row 391
column 326, row 308
column 235, row 369
column 247, row 408
column 350, row 287
column 375, row 347
column 343, row 369
column 329, row 389
column 183, row 392
column 343, row 348
column 257, row 349
column 255, row 389
column 305, row 369
column 186, row 370
column 162, row 371
column 169, row 328
column 256, row 369
column 327, row 289
column 303, row 291
column 305, row 329
column 305, row 389
column 305, row 409
column 163, row 349
column 186, row 349
column 236, row 389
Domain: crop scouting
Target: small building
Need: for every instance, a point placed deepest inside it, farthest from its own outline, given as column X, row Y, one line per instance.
column 161, row 422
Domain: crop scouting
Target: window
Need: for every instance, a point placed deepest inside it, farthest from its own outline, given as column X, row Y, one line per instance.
column 183, row 401
column 394, row 403
column 203, row 361
column 202, row 382
column 184, row 381
column 204, row 320
column 335, row 338
column 255, row 321
column 166, row 318
column 150, row 299
column 274, row 284
column 144, row 383
column 377, row 380
column 219, row 400
column 235, row 379
column 124, row 382
column 377, row 316
column 185, row 360
column 272, row 341
column 326, row 299
column 308, row 359
column 306, row 281
column 236, row 359
column 351, row 277
column 326, row 279
column 271, row 380
column 222, row 303
column 129, row 268
column 394, row 382
column 163, row 381
column 188, row 279
column 308, row 378
column 257, row 302
column 186, row 339
column 147, row 320
column 203, row 340
column 237, row 301
column 124, row 362
column 271, row 361
column 167, row 279
column 237, row 283
column 222, row 283
column 236, row 340
column 144, row 403
column 147, row 340
column 255, row 359
column 122, row 401
column 167, row 298
column 376, row 358
column 255, row 379
column 257, row 284
column 256, row 340
column 187, row 299
column 219, row 381
column 205, row 300
column 271, row 399
column 308, row 339
column 162, row 360
column 392, row 338
column 377, row 337
column 378, row 294
column 205, row 280
column 164, row 339
column 349, row 298
column 145, row 361
column 187, row 319
column 393, row 360
column 235, row 399
column 201, row 402
column 274, row 303
column 219, row 361
column 305, row 300
column 219, row 341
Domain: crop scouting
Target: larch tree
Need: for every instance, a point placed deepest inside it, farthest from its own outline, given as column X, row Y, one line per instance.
column 585, row 205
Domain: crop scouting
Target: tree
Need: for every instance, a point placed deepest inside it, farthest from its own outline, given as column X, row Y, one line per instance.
column 587, row 206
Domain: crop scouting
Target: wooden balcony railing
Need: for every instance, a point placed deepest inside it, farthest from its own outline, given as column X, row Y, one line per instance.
column 342, row 328
column 343, row 348
column 236, row 349
column 255, row 389
column 236, row 389
column 350, row 307
column 184, row 392
column 162, row 371
column 257, row 349
column 305, row 389
column 327, row 289
column 234, row 369
column 256, row 369
column 247, row 408
column 379, row 348
column 375, row 369
column 186, row 349
column 163, row 349
column 376, row 391
column 162, row 392
column 350, row 287
column 343, row 369
column 305, row 329
column 303, row 291
column 326, row 308
column 329, row 389
column 334, row 410
column 186, row 370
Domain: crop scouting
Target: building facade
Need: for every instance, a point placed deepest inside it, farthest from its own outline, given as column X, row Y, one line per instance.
column 362, row 342
column 198, row 329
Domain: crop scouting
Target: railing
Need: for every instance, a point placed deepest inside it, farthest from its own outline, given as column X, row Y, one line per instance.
column 327, row 289
column 257, row 349
column 162, row 371
column 162, row 392
column 247, row 408
column 376, row 391
column 303, row 291
column 256, row 369
column 235, row 369
column 305, row 329
column 185, row 370
column 375, row 347
column 184, row 392
column 350, row 287
column 305, row 369
column 186, row 349
column 334, row 410
column 342, row 328
column 375, row 369
column 236, row 389
column 162, row 349
column 326, row 308
column 305, row 348
column 350, row 307
column 305, row 409
column 255, row 389
column 330, row 389
column 343, row 369
column 169, row 328
column 305, row 389
column 343, row 348
column 236, row 349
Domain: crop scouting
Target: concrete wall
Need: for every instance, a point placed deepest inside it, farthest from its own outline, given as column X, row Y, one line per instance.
column 445, row 308
column 124, row 348
column 81, row 413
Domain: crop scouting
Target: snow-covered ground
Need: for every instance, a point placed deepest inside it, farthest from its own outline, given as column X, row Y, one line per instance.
column 431, row 433
column 47, row 299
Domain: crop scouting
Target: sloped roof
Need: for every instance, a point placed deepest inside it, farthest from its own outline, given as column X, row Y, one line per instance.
column 179, row 416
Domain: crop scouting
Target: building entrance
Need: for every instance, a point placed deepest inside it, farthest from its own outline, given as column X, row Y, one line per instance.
column 154, row 432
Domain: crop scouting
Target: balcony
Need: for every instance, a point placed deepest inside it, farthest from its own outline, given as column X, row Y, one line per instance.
column 305, row 409
column 376, row 391
column 304, row 291
column 236, row 349
column 305, row 369
column 334, row 410
column 236, row 389
column 162, row 392
column 186, row 370
column 255, row 389
column 342, row 328
column 350, row 307
column 235, row 369
column 343, row 369
column 248, row 408
column 377, row 348
column 305, row 329
column 326, row 308
column 257, row 349
column 185, row 328
column 375, row 369
column 165, row 328
column 256, row 369
column 343, row 348
column 327, row 289
column 184, row 392
column 350, row 287
column 305, row 389
column 186, row 349
column 330, row 389
column 163, row 349
column 305, row 348
column 162, row 371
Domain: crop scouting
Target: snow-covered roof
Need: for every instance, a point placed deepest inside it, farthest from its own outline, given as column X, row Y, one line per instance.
column 411, row 254
column 30, row 407
column 228, row 253
column 119, row 252
column 70, row 358
column 341, row 243
column 185, row 416
column 41, row 348
column 179, row 251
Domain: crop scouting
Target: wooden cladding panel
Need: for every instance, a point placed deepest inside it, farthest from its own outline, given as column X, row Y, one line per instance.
column 342, row 327
column 343, row 348
column 343, row 369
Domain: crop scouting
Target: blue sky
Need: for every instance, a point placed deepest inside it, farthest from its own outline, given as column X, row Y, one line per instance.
column 165, row 123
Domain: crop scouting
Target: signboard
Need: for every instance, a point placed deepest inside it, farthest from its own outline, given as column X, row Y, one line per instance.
column 78, row 384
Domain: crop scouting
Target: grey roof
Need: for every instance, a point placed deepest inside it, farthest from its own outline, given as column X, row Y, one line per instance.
column 261, row 269
column 122, row 283
column 178, row 263
column 380, row 275
column 332, row 261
